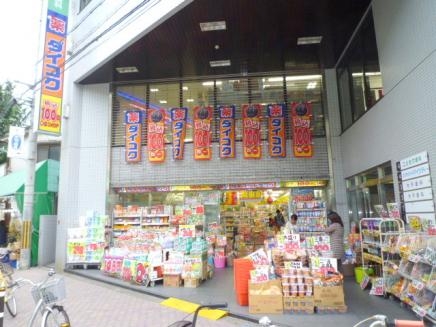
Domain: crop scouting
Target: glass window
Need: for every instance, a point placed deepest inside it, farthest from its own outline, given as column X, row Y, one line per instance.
column 345, row 97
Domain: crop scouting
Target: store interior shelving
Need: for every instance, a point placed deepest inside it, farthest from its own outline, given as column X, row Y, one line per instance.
column 312, row 216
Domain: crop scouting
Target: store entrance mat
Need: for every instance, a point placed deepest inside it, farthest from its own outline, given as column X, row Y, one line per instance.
column 190, row 307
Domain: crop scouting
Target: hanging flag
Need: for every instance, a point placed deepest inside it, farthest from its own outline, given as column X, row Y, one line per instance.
column 16, row 142
column 178, row 122
column 202, row 133
column 301, row 129
column 155, row 135
column 227, row 131
column 133, row 121
column 276, row 130
column 50, row 113
column 251, row 131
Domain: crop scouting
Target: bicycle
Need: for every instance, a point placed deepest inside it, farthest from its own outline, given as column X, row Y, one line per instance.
column 46, row 295
column 6, row 272
column 382, row 321
column 187, row 323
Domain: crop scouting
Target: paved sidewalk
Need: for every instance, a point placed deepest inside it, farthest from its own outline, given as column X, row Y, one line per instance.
column 93, row 304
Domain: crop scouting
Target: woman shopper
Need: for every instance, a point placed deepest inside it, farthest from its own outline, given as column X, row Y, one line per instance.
column 335, row 230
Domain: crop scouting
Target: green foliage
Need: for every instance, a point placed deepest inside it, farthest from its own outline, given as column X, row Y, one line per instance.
column 11, row 113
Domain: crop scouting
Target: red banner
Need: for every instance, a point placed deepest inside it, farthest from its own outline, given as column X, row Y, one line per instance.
column 301, row 129
column 133, row 121
column 251, row 131
column 227, row 131
column 155, row 135
column 202, row 133
column 178, row 122
column 276, row 130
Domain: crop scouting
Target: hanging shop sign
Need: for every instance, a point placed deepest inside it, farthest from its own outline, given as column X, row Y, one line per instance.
column 155, row 135
column 251, row 131
column 301, row 129
column 133, row 121
column 178, row 122
column 276, row 130
column 202, row 133
column 16, row 142
column 50, row 113
column 227, row 131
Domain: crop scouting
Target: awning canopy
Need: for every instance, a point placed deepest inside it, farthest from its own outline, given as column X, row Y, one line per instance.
column 11, row 183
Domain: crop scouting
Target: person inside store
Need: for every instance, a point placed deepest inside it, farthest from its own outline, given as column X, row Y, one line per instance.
column 291, row 224
column 335, row 230
column 280, row 219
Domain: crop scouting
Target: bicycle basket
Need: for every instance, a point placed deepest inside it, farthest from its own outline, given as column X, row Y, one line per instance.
column 6, row 269
column 50, row 292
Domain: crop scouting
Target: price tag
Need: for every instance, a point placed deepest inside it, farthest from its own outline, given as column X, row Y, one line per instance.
column 293, row 264
column 186, row 230
column 418, row 285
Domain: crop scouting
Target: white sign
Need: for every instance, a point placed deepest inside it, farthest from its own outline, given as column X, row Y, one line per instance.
column 420, row 206
column 16, row 142
column 416, row 183
column 414, row 160
column 418, row 195
column 415, row 172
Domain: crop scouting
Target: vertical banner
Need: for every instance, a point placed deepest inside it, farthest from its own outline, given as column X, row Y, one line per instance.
column 16, row 142
column 301, row 129
column 178, row 122
column 202, row 133
column 251, row 131
column 133, row 121
column 155, row 135
column 50, row 113
column 227, row 131
column 276, row 130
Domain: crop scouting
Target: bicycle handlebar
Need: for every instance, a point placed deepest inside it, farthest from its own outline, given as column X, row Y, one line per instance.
column 213, row 306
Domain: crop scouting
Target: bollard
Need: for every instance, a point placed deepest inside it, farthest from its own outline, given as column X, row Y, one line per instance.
column 2, row 304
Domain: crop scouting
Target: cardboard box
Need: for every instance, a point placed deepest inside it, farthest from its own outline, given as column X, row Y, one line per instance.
column 172, row 280
column 329, row 296
column 265, row 297
column 191, row 282
column 299, row 303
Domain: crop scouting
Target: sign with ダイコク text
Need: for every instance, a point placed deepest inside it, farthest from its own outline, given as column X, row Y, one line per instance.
column 276, row 130
column 133, row 121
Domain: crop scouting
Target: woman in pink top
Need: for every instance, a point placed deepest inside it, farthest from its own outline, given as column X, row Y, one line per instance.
column 336, row 232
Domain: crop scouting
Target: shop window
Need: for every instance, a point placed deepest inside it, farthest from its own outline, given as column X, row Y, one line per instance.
column 359, row 79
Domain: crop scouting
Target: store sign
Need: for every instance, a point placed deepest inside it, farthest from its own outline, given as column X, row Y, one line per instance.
column 418, row 195
column 419, row 206
column 416, row 183
column 276, row 130
column 303, row 183
column 301, row 129
column 50, row 113
column 415, row 172
column 155, row 135
column 202, row 133
column 178, row 122
column 133, row 123
column 414, row 160
column 227, row 131
column 251, row 131
column 16, row 142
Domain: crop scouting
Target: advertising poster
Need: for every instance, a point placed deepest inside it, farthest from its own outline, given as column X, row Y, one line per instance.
column 251, row 131
column 202, row 133
column 227, row 131
column 133, row 122
column 301, row 129
column 50, row 113
column 178, row 122
column 155, row 135
column 276, row 130
column 16, row 142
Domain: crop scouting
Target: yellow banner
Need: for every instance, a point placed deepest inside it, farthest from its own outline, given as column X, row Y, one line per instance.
column 50, row 114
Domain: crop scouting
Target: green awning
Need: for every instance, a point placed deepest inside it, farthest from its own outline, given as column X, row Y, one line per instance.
column 10, row 184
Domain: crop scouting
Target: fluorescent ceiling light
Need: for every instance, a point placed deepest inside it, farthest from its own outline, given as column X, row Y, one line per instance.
column 213, row 26
column 162, row 101
column 367, row 74
column 309, row 40
column 295, row 78
column 311, row 85
column 210, row 83
column 189, row 100
column 185, row 88
column 154, row 90
column 126, row 70
column 220, row 63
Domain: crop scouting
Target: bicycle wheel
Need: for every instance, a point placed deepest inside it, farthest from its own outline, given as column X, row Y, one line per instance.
column 11, row 303
column 56, row 316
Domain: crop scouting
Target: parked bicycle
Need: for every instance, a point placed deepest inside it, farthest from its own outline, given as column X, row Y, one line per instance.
column 188, row 323
column 46, row 295
column 382, row 321
column 6, row 276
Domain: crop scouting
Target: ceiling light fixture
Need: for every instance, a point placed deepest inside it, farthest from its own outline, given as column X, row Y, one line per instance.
column 220, row 63
column 309, row 40
column 126, row 70
column 162, row 101
column 213, row 26
column 210, row 83
column 294, row 78
column 185, row 88
column 311, row 85
column 154, row 90
column 189, row 100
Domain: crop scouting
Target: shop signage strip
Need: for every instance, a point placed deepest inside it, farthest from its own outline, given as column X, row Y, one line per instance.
column 251, row 131
column 415, row 172
column 276, row 130
column 416, row 159
column 301, row 122
column 416, row 183
column 178, row 122
column 202, row 133
column 133, row 121
column 418, row 195
column 156, row 135
column 50, row 113
column 227, row 131
column 419, row 206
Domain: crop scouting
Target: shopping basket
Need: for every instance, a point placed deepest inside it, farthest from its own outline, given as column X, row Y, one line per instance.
column 50, row 292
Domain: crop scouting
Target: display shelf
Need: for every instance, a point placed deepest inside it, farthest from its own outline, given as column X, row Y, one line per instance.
column 312, row 216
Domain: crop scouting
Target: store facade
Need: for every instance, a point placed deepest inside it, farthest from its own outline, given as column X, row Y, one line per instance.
column 94, row 128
